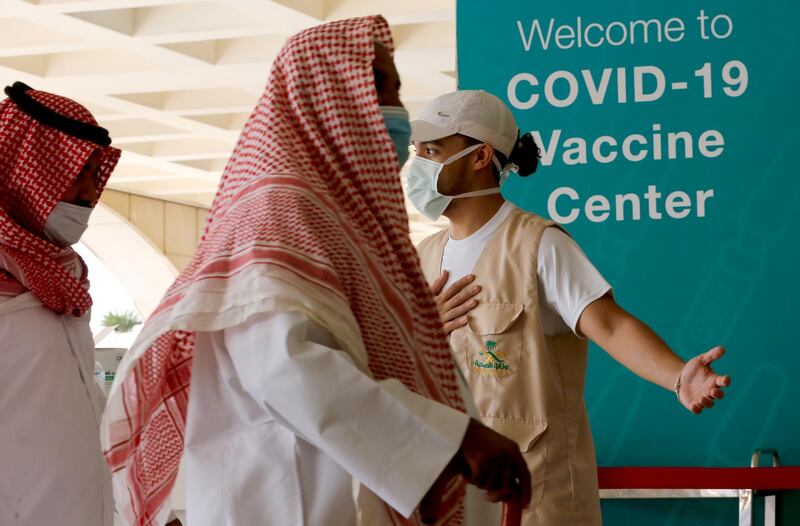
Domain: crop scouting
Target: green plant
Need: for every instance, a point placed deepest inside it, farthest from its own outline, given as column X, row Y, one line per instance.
column 123, row 321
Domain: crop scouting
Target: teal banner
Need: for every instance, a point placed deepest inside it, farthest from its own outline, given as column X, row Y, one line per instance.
column 669, row 136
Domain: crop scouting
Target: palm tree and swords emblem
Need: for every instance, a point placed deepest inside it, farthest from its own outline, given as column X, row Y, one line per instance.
column 492, row 355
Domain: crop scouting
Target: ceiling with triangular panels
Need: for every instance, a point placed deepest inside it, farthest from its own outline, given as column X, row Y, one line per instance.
column 175, row 80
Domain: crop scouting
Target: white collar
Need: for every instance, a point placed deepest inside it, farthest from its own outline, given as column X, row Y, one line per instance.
column 489, row 228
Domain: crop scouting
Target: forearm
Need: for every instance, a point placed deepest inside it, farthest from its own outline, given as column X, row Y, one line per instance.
column 636, row 346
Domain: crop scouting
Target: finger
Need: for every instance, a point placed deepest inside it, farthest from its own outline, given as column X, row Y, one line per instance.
column 506, row 491
column 459, row 311
column 516, row 485
column 697, row 408
column 462, row 297
column 493, row 496
column 523, row 476
column 703, row 402
column 438, row 285
column 499, row 482
column 511, row 490
column 455, row 324
column 714, row 354
column 504, row 495
column 717, row 394
column 723, row 380
column 457, row 287
column 482, row 479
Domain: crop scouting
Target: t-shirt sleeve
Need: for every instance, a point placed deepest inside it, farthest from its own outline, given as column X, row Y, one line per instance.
column 569, row 282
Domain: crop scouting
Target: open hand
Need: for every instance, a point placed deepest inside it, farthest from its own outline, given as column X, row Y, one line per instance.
column 700, row 385
column 455, row 302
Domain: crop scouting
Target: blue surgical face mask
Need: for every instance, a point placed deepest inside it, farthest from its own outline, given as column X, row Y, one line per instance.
column 396, row 119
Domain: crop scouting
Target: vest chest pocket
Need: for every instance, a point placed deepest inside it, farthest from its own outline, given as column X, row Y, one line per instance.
column 494, row 339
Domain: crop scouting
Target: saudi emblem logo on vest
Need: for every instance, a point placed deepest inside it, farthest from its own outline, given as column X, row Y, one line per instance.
column 491, row 358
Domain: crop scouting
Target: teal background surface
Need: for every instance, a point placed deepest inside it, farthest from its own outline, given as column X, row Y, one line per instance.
column 729, row 278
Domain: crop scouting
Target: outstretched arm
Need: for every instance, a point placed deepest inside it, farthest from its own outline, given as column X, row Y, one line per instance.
column 636, row 346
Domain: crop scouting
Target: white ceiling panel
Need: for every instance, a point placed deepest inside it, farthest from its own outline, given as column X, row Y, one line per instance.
column 175, row 80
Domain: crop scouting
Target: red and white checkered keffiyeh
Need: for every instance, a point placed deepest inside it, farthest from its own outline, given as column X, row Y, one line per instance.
column 312, row 190
column 38, row 163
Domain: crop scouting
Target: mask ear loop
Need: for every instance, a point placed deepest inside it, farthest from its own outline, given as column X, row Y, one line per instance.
column 463, row 153
column 504, row 171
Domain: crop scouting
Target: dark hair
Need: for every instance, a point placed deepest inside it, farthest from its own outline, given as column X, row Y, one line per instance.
column 525, row 154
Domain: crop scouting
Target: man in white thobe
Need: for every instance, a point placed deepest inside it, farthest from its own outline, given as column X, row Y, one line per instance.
column 313, row 347
column 54, row 163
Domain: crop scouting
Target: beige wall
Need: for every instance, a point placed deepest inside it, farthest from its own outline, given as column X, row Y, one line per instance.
column 141, row 268
column 173, row 228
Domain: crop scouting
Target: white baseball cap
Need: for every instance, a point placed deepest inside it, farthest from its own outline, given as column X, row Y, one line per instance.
column 474, row 113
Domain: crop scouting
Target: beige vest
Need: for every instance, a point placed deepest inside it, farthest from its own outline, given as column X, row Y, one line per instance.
column 526, row 385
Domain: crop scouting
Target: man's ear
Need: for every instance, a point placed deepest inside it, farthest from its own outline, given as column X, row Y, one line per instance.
column 484, row 157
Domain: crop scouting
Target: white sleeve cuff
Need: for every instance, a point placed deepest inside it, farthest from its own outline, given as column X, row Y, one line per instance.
column 427, row 453
column 578, row 312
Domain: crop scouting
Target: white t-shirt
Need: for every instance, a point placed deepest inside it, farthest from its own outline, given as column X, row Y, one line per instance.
column 568, row 282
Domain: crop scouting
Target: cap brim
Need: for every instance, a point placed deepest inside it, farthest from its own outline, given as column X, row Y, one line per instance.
column 423, row 131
